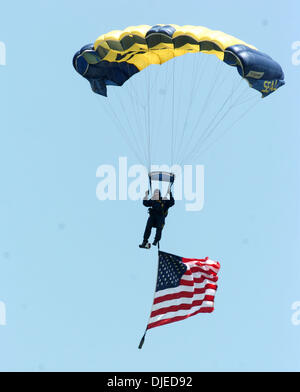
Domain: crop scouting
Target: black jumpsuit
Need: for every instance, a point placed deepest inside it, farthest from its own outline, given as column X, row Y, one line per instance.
column 158, row 211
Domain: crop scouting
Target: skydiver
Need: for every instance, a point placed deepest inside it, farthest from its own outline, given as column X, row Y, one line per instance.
column 157, row 213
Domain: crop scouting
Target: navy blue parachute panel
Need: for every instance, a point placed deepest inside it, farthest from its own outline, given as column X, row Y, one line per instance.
column 158, row 29
column 262, row 72
column 102, row 73
column 159, row 34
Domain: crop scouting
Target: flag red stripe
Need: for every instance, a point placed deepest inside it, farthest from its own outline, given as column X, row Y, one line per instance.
column 175, row 308
column 185, row 294
column 198, row 269
column 204, row 271
column 178, row 318
column 187, row 260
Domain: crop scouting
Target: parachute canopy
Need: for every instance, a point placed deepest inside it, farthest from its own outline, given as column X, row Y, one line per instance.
column 118, row 55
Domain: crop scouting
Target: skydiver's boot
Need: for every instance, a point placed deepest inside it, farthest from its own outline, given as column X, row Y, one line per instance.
column 145, row 244
column 154, row 243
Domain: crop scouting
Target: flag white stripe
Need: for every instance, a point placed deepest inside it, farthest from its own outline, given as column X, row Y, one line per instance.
column 198, row 275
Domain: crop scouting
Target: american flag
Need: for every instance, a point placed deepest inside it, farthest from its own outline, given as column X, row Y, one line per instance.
column 184, row 287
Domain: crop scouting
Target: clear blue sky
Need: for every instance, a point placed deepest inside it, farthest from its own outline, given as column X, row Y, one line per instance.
column 77, row 289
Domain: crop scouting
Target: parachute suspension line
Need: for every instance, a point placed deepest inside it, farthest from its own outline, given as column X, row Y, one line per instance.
column 247, row 99
column 139, row 130
column 237, row 103
column 210, row 96
column 135, row 111
column 206, row 132
column 233, row 87
column 140, row 102
column 178, row 106
column 130, row 126
column 151, row 112
column 146, row 136
column 138, row 105
column 147, row 130
column 195, row 82
column 204, row 108
column 173, row 111
column 131, row 134
column 194, row 152
column 148, row 125
column 121, row 129
column 155, row 125
column 209, row 129
column 140, row 98
column 158, row 127
column 245, row 113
